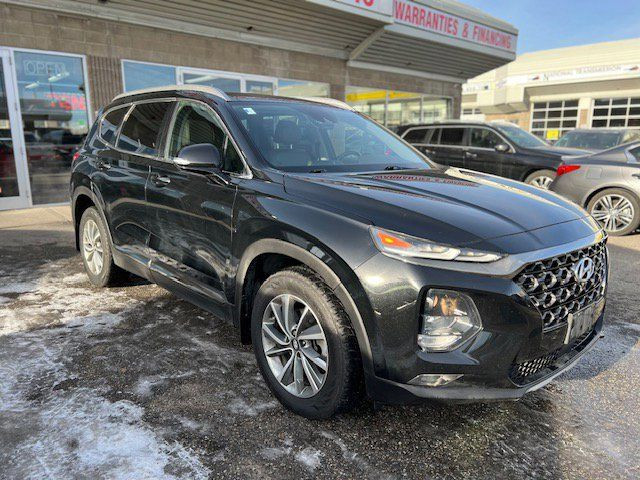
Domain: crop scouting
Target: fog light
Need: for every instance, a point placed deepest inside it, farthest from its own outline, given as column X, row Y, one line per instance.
column 434, row 380
column 449, row 319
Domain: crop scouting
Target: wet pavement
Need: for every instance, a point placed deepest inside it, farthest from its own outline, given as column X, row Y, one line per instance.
column 131, row 383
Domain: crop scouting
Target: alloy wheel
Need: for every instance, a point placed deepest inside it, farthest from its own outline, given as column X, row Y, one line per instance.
column 614, row 212
column 542, row 182
column 295, row 346
column 92, row 247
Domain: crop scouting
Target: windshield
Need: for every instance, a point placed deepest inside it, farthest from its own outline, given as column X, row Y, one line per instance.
column 305, row 137
column 589, row 140
column 519, row 136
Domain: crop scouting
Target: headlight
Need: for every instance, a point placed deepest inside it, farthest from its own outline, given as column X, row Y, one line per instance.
column 407, row 246
column 449, row 319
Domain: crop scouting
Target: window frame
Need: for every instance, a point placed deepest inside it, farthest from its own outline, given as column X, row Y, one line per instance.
column 410, row 129
column 101, row 118
column 165, row 157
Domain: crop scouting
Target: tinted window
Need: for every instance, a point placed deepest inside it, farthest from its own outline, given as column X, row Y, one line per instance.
column 483, row 138
column 636, row 153
column 416, row 135
column 196, row 124
column 140, row 132
column 110, row 124
column 451, row 136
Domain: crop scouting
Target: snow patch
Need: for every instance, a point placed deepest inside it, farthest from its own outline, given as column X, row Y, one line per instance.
column 310, row 458
column 240, row 406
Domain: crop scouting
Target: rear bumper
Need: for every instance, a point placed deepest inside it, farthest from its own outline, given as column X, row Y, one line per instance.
column 387, row 391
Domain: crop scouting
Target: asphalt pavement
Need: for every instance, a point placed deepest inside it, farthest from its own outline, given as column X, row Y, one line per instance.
column 132, row 383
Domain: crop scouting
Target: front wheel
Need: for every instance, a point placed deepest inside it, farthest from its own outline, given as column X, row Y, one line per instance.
column 305, row 346
column 616, row 210
column 541, row 179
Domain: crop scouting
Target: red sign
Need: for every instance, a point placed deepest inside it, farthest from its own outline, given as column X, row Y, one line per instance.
column 428, row 19
column 380, row 6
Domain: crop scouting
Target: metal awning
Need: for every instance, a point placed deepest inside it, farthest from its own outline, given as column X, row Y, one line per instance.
column 440, row 38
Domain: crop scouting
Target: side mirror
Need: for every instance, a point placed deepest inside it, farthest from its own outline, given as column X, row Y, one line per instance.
column 502, row 148
column 201, row 157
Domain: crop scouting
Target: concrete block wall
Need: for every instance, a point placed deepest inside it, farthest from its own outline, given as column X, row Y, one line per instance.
column 106, row 43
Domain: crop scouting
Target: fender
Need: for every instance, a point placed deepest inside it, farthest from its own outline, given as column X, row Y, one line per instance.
column 97, row 201
column 316, row 264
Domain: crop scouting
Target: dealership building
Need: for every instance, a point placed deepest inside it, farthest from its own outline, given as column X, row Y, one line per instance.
column 399, row 61
column 554, row 91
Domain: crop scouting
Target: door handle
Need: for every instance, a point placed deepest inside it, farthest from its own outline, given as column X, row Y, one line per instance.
column 637, row 175
column 160, row 181
column 103, row 165
column 471, row 155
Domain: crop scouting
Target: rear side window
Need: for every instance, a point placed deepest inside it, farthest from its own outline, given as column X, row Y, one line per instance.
column 110, row 124
column 635, row 153
column 416, row 135
column 452, row 136
column 483, row 138
column 141, row 130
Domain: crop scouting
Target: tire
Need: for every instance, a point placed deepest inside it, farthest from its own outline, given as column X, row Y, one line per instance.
column 91, row 224
column 541, row 178
column 341, row 388
column 627, row 218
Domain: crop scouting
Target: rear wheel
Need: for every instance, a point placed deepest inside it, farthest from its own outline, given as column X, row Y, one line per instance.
column 305, row 346
column 96, row 249
column 617, row 210
column 541, row 179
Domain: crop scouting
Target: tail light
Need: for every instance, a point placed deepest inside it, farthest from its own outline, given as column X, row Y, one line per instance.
column 562, row 169
column 76, row 156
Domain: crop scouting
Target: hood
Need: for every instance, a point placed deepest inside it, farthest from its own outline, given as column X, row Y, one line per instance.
column 552, row 151
column 448, row 205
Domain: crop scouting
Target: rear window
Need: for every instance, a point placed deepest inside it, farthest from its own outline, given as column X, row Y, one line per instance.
column 110, row 124
column 451, row 136
column 141, row 131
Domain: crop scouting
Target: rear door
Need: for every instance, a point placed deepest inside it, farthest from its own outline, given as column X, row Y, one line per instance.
column 193, row 212
column 481, row 155
column 450, row 146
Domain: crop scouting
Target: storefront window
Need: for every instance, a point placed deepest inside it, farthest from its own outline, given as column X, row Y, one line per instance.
column 8, row 175
column 146, row 75
column 297, row 88
column 53, row 103
column 211, row 80
column 393, row 108
column 257, row 86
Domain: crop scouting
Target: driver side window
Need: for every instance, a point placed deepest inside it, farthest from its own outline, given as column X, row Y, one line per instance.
column 194, row 124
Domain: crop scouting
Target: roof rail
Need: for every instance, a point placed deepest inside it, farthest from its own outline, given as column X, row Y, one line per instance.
column 194, row 88
column 329, row 101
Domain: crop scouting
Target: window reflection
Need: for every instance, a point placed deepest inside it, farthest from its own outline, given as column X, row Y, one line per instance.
column 52, row 97
column 8, row 177
column 298, row 88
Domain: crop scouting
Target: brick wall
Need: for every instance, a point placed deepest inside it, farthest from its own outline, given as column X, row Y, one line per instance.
column 105, row 43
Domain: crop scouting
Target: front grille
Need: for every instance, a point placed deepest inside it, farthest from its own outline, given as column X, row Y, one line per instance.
column 553, row 288
column 531, row 370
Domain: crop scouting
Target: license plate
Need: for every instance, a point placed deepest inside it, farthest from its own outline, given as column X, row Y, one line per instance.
column 581, row 322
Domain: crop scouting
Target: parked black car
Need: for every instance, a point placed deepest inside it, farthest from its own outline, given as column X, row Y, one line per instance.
column 597, row 139
column 345, row 256
column 499, row 148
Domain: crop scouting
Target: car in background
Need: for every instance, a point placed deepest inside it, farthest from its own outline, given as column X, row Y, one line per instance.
column 597, row 139
column 499, row 148
column 607, row 184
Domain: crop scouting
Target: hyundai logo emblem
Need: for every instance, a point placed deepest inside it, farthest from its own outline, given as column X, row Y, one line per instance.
column 583, row 269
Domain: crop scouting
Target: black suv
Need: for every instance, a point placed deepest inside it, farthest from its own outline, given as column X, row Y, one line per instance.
column 344, row 255
column 499, row 148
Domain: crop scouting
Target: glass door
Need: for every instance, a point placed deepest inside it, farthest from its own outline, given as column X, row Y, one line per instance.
column 13, row 178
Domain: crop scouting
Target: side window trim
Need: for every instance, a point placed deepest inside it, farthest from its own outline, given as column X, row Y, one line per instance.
column 247, row 173
column 124, row 106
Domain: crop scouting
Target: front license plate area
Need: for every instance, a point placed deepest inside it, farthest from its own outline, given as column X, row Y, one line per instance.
column 581, row 322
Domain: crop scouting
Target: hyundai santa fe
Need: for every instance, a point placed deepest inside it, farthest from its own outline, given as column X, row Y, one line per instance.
column 351, row 262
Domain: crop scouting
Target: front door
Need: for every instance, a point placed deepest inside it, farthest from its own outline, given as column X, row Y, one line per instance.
column 481, row 155
column 13, row 176
column 193, row 212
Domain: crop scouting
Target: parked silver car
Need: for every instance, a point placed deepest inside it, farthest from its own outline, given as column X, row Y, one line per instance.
column 607, row 184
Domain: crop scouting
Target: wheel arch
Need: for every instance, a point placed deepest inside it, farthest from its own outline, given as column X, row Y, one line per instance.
column 288, row 254
column 84, row 198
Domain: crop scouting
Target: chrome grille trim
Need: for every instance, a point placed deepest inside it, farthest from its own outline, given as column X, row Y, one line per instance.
column 552, row 288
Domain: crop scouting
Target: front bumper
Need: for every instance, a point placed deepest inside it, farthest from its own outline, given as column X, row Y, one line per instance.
column 512, row 334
